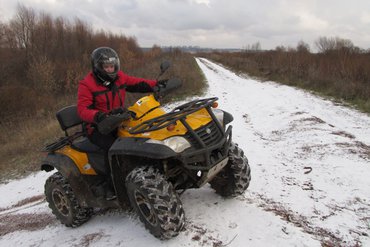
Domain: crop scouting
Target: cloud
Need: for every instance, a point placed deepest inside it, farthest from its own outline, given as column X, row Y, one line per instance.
column 215, row 23
column 312, row 22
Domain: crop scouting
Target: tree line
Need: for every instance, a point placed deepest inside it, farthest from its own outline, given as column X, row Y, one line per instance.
column 42, row 59
column 51, row 53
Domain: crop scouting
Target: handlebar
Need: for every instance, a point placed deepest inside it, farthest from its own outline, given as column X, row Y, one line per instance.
column 168, row 87
column 111, row 122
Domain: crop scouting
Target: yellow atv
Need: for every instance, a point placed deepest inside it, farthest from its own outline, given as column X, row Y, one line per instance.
column 156, row 156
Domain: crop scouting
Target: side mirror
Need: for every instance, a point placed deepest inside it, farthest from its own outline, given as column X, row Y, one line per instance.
column 164, row 66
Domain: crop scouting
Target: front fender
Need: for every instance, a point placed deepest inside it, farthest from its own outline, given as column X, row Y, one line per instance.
column 138, row 147
column 228, row 118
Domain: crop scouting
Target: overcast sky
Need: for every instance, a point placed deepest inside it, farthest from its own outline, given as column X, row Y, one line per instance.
column 215, row 23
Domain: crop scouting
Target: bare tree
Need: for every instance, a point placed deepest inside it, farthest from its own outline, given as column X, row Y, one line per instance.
column 155, row 51
column 303, row 47
column 23, row 27
column 324, row 44
column 43, row 40
column 82, row 36
column 61, row 38
column 256, row 46
column 280, row 48
column 253, row 47
column 2, row 34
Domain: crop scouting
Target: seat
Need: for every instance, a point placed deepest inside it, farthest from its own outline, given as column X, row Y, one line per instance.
column 85, row 145
column 68, row 118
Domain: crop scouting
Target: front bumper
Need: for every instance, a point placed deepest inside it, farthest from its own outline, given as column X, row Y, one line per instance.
column 204, row 158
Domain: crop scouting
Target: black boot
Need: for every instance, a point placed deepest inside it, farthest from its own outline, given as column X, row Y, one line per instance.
column 110, row 194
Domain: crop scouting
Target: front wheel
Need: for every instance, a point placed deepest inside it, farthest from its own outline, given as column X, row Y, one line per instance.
column 63, row 202
column 234, row 179
column 156, row 202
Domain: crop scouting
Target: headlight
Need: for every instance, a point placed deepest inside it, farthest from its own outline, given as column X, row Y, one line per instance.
column 176, row 143
column 219, row 115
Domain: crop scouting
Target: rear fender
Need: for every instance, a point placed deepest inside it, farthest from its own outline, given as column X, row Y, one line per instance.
column 60, row 162
column 69, row 170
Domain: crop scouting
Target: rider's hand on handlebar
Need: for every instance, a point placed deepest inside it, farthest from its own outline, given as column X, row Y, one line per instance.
column 160, row 84
column 99, row 116
column 123, row 112
column 119, row 110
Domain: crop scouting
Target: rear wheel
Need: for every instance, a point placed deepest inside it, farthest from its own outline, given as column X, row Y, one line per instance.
column 63, row 202
column 156, row 202
column 234, row 179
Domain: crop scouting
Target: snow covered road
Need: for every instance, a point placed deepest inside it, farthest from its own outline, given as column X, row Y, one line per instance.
column 310, row 161
column 310, row 158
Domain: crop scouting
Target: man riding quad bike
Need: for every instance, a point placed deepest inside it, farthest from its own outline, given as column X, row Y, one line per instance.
column 156, row 156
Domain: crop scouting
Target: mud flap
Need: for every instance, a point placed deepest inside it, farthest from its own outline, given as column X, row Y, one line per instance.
column 118, row 179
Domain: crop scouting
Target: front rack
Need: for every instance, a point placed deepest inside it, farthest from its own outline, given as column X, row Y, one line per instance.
column 178, row 113
column 205, row 139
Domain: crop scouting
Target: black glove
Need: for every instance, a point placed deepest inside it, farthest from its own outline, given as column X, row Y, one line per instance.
column 119, row 110
column 123, row 112
column 100, row 116
column 160, row 85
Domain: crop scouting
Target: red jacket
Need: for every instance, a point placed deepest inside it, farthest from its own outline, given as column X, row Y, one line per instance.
column 93, row 97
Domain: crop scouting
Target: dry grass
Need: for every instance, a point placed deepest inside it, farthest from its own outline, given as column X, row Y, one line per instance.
column 22, row 144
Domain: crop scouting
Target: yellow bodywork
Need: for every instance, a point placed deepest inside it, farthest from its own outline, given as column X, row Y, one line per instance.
column 144, row 105
column 79, row 158
column 145, row 108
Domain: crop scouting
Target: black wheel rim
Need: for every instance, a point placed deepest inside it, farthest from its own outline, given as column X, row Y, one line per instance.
column 145, row 208
column 61, row 202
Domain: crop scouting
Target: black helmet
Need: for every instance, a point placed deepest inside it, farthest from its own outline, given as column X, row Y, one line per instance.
column 104, row 55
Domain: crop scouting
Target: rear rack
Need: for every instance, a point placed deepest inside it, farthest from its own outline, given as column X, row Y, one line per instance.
column 61, row 142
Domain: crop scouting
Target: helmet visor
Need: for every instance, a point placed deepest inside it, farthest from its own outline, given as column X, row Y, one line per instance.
column 109, row 66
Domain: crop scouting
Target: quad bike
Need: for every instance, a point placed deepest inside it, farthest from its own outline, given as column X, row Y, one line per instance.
column 156, row 156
